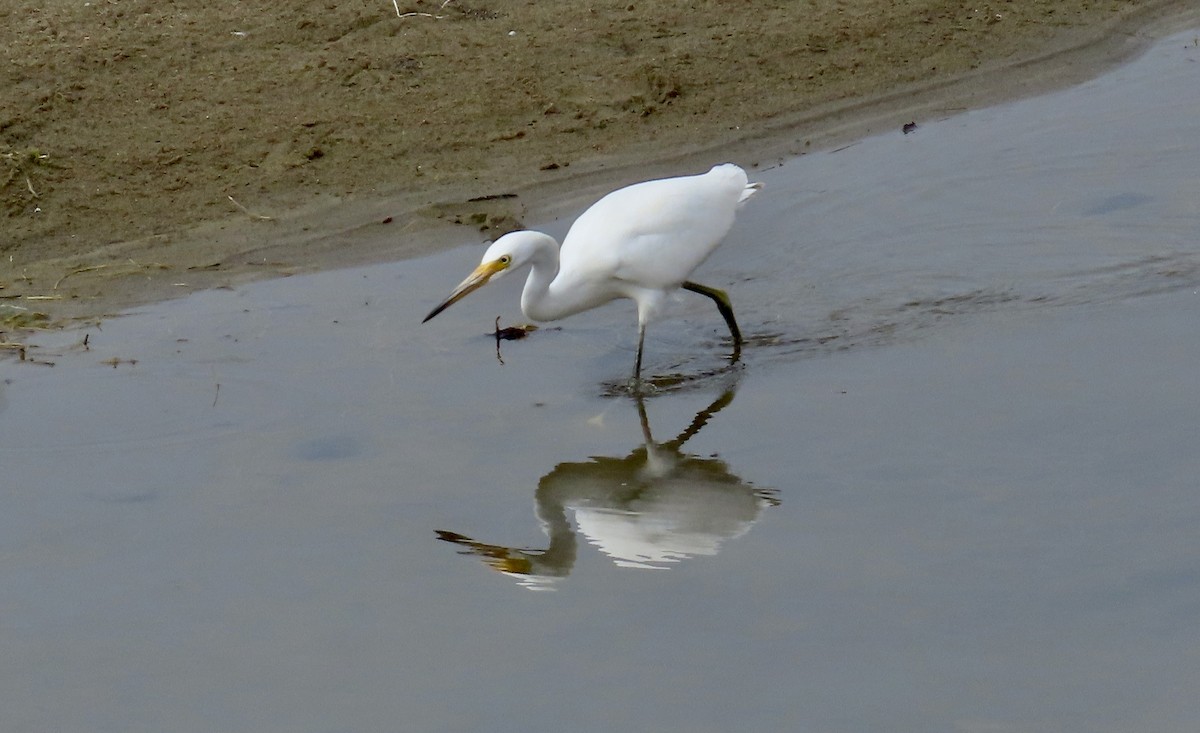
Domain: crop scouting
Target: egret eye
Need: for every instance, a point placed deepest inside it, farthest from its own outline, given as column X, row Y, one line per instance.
column 505, row 259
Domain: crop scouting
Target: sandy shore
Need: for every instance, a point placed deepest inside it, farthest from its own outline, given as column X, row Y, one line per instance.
column 146, row 152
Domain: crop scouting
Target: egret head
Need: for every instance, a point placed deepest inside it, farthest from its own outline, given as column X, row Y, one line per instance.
column 506, row 253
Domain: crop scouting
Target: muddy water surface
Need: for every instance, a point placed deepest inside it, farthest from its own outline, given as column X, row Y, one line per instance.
column 950, row 486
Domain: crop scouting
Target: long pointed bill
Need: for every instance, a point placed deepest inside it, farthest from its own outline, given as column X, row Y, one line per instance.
column 474, row 281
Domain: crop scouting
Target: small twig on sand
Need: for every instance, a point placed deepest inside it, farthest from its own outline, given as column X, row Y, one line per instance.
column 396, row 5
column 415, row 14
column 29, row 184
column 76, row 272
column 148, row 265
column 247, row 212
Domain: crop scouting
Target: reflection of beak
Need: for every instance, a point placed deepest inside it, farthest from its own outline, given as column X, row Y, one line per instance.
column 497, row 557
column 474, row 281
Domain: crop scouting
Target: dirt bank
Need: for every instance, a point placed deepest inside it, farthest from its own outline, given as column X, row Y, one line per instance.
column 150, row 148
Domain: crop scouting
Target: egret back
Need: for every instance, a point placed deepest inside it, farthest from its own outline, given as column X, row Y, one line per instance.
column 654, row 234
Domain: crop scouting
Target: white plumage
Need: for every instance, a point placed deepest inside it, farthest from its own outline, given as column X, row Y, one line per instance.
column 640, row 242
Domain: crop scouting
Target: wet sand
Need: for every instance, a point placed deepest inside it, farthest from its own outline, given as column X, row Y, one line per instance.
column 150, row 152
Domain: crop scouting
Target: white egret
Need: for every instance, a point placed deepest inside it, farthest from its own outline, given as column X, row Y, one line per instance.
column 640, row 242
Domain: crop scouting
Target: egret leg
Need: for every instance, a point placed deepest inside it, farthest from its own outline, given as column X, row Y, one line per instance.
column 723, row 305
column 637, row 364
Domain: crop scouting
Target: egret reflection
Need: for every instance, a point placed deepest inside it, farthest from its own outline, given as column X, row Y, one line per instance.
column 650, row 509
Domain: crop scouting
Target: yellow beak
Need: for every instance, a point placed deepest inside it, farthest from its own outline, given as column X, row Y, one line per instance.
column 476, row 280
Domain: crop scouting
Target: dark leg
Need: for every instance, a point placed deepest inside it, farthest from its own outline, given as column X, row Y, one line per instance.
column 722, row 300
column 637, row 365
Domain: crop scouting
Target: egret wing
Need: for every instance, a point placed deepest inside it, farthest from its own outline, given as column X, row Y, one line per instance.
column 654, row 234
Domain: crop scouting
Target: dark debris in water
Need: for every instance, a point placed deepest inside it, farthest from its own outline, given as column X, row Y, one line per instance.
column 512, row 333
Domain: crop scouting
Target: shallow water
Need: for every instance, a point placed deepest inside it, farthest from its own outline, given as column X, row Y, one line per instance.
column 951, row 485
